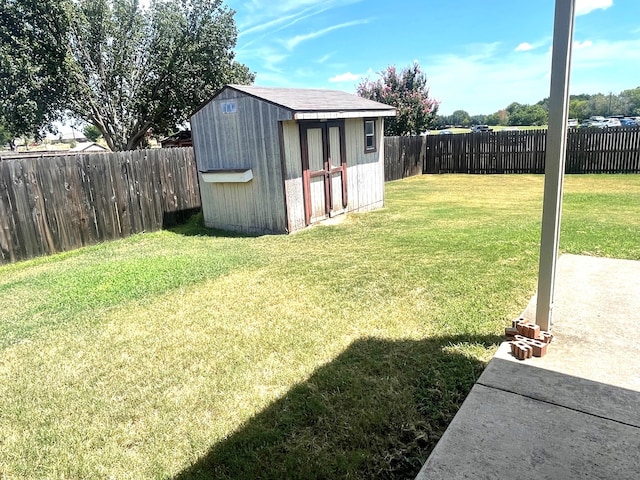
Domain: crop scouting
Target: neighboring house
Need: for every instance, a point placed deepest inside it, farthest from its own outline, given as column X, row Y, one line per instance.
column 275, row 160
column 179, row 139
column 88, row 147
column 66, row 137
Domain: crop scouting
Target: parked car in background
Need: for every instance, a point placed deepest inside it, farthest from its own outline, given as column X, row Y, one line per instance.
column 446, row 132
column 572, row 122
column 628, row 122
column 593, row 124
column 612, row 122
column 480, row 128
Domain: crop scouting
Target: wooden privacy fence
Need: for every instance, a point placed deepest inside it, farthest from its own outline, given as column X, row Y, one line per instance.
column 611, row 150
column 403, row 157
column 608, row 150
column 51, row 204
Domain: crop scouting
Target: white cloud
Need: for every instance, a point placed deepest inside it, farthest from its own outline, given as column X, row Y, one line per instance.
column 481, row 50
column 587, row 6
column 577, row 45
column 282, row 22
column 269, row 57
column 293, row 42
column 489, row 82
column 263, row 14
column 268, row 24
column 269, row 31
column 345, row 77
column 524, row 46
column 624, row 52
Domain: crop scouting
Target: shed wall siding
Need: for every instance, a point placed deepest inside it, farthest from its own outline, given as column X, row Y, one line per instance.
column 248, row 138
column 237, row 194
column 231, row 94
column 365, row 171
column 293, row 175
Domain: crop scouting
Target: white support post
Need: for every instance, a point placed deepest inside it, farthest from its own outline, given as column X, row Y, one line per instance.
column 555, row 159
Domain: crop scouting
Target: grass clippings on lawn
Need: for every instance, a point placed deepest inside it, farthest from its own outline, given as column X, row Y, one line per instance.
column 340, row 351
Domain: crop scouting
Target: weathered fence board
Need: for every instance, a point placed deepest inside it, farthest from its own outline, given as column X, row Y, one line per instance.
column 611, row 150
column 52, row 204
column 403, row 157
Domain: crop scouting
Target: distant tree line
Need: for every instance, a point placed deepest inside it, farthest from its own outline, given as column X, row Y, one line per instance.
column 581, row 107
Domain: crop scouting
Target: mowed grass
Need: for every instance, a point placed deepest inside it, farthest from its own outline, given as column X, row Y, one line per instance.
column 338, row 352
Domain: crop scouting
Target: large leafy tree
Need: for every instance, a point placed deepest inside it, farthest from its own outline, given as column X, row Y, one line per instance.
column 34, row 64
column 6, row 137
column 91, row 132
column 578, row 108
column 501, row 117
column 146, row 69
column 520, row 114
column 460, row 117
column 630, row 99
column 409, row 93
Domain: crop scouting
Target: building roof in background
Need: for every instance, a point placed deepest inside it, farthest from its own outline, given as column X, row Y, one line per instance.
column 88, row 147
column 178, row 139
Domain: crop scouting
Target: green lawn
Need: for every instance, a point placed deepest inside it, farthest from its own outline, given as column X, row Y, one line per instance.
column 337, row 352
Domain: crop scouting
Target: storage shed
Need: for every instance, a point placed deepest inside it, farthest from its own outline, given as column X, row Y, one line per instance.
column 275, row 160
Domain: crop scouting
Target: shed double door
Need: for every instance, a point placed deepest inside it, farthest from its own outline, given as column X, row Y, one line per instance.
column 324, row 169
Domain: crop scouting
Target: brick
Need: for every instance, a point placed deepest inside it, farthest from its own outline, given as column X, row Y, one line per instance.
column 539, row 348
column 545, row 336
column 531, row 331
column 521, row 320
column 521, row 350
column 510, row 331
column 517, row 351
column 521, row 338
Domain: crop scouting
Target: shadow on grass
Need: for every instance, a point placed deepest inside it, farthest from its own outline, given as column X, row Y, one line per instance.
column 190, row 223
column 178, row 218
column 376, row 411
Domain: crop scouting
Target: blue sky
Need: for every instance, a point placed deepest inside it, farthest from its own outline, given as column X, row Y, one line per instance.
column 478, row 55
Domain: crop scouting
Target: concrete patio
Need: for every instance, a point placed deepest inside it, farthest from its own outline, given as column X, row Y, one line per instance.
column 574, row 413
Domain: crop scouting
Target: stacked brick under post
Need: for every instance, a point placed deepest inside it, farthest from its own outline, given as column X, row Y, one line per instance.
column 527, row 340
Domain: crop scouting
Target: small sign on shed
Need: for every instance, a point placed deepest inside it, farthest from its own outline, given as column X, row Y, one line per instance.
column 275, row 160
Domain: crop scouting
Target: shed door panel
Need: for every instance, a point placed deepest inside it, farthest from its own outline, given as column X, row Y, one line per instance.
column 315, row 150
column 337, row 171
column 323, row 169
column 318, row 202
column 317, row 188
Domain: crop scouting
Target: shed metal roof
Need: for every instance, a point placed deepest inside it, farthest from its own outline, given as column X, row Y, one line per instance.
column 307, row 103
